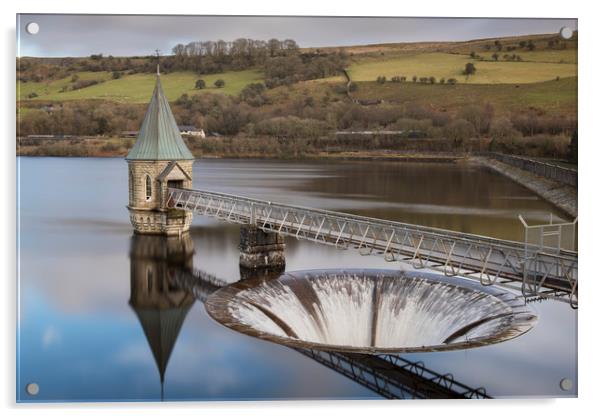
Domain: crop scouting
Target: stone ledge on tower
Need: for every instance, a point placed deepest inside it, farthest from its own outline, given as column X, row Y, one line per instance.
column 170, row 222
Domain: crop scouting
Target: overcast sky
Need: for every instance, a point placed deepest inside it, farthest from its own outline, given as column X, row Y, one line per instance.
column 82, row 35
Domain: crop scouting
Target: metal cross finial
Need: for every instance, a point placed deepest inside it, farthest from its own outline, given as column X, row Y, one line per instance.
column 157, row 52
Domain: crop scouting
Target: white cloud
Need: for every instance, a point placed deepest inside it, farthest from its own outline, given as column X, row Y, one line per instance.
column 135, row 353
column 50, row 337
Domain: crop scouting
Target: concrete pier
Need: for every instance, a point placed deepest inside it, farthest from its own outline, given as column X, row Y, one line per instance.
column 261, row 250
column 265, row 274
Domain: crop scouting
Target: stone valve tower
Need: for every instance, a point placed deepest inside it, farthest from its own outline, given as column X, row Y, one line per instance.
column 158, row 160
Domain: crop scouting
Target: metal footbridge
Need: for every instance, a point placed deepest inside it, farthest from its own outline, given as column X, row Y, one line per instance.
column 394, row 377
column 536, row 268
column 199, row 283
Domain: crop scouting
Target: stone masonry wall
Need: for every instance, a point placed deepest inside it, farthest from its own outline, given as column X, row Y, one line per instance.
column 259, row 249
column 149, row 216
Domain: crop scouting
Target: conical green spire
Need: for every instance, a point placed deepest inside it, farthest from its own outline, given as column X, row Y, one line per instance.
column 161, row 328
column 159, row 138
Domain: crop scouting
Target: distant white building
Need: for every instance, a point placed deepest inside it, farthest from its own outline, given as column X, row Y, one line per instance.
column 190, row 130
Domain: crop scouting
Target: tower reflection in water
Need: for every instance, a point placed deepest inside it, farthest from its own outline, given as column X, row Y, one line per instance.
column 160, row 304
column 164, row 285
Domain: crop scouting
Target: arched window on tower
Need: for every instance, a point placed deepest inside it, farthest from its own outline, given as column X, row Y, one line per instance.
column 131, row 187
column 149, row 188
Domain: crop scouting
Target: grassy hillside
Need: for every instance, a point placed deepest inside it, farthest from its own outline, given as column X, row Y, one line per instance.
column 135, row 88
column 444, row 65
column 565, row 56
column 525, row 106
column 550, row 58
column 557, row 97
column 463, row 47
column 51, row 88
column 539, row 66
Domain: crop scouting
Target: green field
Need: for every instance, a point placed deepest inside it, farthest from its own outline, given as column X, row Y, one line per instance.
column 53, row 87
column 137, row 88
column 557, row 97
column 567, row 56
column 443, row 65
column 510, row 84
column 24, row 111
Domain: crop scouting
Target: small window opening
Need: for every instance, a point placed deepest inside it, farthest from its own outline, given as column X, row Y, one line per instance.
column 149, row 189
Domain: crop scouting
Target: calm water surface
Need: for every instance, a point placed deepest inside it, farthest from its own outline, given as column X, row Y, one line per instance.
column 82, row 338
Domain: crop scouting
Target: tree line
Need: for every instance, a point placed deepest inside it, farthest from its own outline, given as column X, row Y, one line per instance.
column 210, row 57
column 281, row 60
column 255, row 113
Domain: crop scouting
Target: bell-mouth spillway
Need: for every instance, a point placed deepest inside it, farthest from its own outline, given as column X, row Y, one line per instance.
column 371, row 311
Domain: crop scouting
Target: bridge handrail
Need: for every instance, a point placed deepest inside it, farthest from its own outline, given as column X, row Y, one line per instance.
column 466, row 237
column 433, row 375
column 354, row 367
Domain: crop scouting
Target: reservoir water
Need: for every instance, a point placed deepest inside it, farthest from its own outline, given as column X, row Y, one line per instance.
column 84, row 334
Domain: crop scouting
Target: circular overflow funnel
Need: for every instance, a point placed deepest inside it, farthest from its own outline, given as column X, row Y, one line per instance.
column 371, row 311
